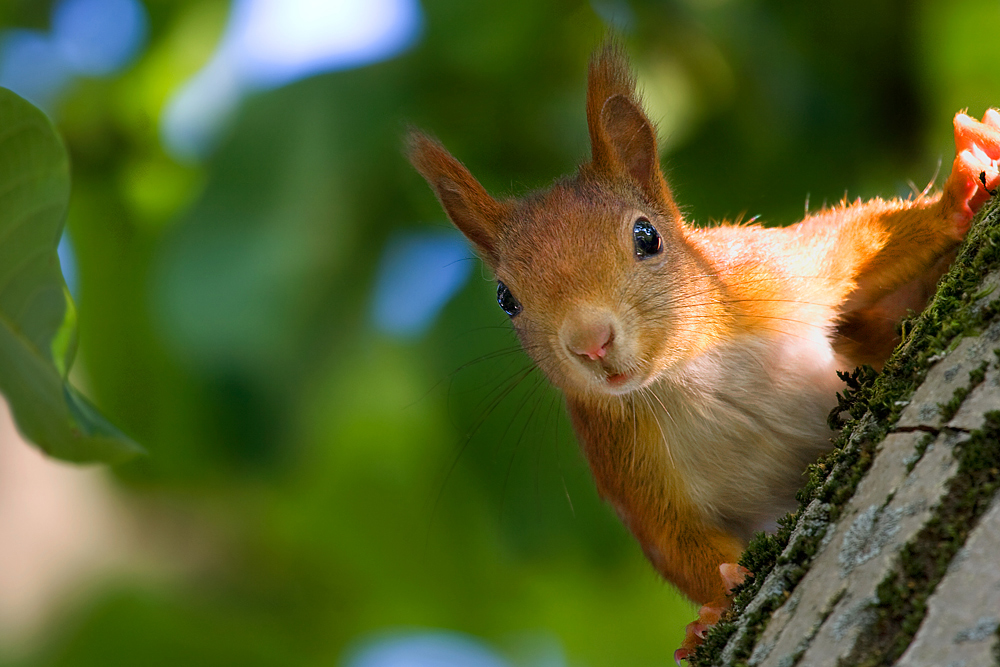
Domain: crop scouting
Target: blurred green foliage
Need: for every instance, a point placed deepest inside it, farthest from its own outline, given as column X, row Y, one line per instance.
column 343, row 482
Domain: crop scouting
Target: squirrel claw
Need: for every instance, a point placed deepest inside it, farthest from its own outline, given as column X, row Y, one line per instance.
column 699, row 629
column 681, row 654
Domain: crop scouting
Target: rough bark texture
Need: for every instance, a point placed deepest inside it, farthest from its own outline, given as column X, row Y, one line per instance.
column 892, row 557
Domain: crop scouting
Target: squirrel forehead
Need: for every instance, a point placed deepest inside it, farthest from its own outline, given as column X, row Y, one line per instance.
column 561, row 228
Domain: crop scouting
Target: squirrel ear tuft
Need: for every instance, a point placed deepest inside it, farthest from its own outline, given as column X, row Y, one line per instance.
column 622, row 138
column 468, row 205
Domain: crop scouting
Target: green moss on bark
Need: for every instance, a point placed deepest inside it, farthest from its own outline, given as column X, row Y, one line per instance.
column 903, row 595
column 976, row 376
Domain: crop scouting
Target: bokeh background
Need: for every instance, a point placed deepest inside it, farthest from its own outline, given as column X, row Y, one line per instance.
column 349, row 461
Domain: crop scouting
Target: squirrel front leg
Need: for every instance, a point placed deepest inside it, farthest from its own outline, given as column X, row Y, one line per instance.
column 696, row 556
column 889, row 255
column 886, row 243
column 701, row 560
column 650, row 497
column 693, row 554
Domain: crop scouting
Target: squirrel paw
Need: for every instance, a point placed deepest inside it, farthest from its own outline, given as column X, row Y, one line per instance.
column 974, row 176
column 732, row 576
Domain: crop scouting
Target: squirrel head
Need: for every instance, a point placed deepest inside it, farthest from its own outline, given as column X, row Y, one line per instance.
column 594, row 270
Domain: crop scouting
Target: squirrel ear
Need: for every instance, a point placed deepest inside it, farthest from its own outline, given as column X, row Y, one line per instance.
column 632, row 140
column 470, row 207
column 622, row 138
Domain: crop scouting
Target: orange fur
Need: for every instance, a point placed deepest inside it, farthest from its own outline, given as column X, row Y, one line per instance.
column 650, row 500
column 698, row 377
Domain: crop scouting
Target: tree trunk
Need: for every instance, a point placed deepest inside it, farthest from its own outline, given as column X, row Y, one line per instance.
column 893, row 557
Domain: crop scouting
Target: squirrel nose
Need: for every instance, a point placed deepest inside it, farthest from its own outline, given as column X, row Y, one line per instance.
column 591, row 341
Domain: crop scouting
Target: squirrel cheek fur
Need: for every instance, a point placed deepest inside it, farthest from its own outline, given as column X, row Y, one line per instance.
column 699, row 364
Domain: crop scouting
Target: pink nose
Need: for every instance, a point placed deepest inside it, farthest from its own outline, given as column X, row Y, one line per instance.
column 591, row 341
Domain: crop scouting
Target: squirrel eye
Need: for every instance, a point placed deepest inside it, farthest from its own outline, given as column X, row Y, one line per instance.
column 646, row 239
column 510, row 305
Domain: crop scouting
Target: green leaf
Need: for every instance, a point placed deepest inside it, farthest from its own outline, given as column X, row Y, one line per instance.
column 64, row 342
column 37, row 317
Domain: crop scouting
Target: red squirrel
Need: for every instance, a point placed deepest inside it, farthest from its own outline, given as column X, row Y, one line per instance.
column 699, row 364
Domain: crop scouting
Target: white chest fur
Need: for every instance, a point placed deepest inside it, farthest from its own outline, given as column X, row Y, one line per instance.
column 743, row 420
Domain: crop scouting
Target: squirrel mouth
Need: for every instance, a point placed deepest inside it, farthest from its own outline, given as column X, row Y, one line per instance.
column 617, row 379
